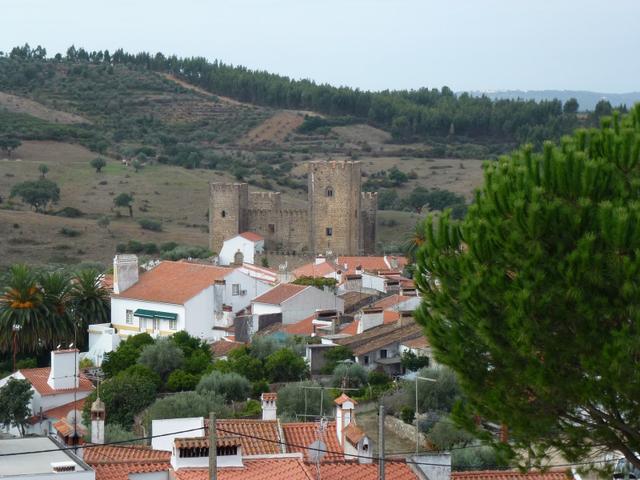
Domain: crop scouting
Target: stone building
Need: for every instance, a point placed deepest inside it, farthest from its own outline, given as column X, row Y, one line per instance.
column 340, row 217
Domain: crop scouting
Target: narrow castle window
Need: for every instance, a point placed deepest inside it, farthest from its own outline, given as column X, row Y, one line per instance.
column 272, row 228
column 224, row 214
column 329, row 192
column 329, row 231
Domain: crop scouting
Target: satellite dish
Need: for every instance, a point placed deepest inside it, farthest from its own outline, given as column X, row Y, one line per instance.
column 317, row 450
column 74, row 417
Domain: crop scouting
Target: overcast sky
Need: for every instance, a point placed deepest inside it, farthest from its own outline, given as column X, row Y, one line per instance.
column 371, row 44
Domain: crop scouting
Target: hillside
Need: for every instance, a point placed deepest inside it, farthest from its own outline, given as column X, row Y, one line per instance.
column 587, row 100
column 67, row 111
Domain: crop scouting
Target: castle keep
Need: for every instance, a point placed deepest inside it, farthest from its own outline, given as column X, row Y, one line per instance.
column 340, row 217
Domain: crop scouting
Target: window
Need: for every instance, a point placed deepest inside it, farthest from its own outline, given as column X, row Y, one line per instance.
column 329, row 192
column 129, row 317
column 383, row 353
column 235, row 289
column 366, row 360
column 173, row 324
column 329, row 231
column 223, row 214
column 272, row 228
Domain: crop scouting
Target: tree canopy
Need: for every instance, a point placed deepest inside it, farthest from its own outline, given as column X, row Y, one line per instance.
column 37, row 193
column 533, row 298
column 15, row 400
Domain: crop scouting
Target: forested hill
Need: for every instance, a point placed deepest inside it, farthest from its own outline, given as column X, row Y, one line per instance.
column 586, row 100
column 409, row 115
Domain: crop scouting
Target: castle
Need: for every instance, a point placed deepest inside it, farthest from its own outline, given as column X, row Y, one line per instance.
column 340, row 217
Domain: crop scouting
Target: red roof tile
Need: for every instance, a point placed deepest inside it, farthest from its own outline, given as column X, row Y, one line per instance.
column 269, row 396
column 344, row 398
column 174, row 282
column 280, row 293
column 353, row 433
column 370, row 264
column 222, row 348
column 63, row 410
column 351, row 329
column 420, row 342
column 313, row 270
column 369, row 471
column 303, row 327
column 38, row 378
column 66, row 428
column 390, row 316
column 121, row 471
column 510, row 475
column 136, row 454
column 258, row 469
column 252, row 237
column 259, row 437
column 391, row 301
column 302, row 434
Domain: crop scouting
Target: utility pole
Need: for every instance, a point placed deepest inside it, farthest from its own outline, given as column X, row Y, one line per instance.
column 213, row 450
column 381, row 443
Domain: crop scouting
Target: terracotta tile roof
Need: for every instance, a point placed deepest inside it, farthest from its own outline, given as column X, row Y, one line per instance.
column 351, row 329
column 353, row 434
column 302, row 434
column 121, row 471
column 267, row 438
column 62, row 411
column 135, row 454
column 369, row 471
column 106, row 281
column 344, row 398
column 66, row 428
column 258, row 469
column 510, row 475
column 251, row 236
column 313, row 270
column 203, row 442
column 38, row 377
column 390, row 316
column 174, row 282
column 380, row 336
column 269, row 396
column 261, row 273
column 371, row 264
column 280, row 293
column 420, row 342
column 303, row 327
column 391, row 301
column 222, row 348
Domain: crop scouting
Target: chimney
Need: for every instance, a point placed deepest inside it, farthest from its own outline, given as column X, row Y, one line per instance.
column 125, row 272
column 358, row 269
column 65, row 369
column 97, row 421
column 269, row 405
column 320, row 259
column 371, row 317
column 406, row 318
column 339, row 276
column 393, row 263
column 344, row 415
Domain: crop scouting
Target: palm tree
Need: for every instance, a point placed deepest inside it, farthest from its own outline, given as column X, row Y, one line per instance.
column 89, row 299
column 23, row 320
column 56, row 286
column 415, row 239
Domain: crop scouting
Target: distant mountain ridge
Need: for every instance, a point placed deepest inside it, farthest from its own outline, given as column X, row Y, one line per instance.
column 586, row 99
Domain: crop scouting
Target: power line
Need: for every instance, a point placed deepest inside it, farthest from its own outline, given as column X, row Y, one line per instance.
column 269, row 440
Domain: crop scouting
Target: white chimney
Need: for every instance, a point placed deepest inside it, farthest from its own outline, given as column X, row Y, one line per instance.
column 370, row 317
column 269, row 406
column 65, row 369
column 344, row 415
column 320, row 259
column 125, row 272
column 97, row 421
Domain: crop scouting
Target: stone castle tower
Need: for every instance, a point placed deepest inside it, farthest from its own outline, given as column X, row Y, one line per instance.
column 340, row 217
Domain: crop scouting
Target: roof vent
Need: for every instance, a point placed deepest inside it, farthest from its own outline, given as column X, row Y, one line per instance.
column 63, row 467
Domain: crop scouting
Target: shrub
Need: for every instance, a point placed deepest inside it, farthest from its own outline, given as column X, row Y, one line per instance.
column 69, row 232
column 294, row 399
column 445, row 434
column 377, row 378
column 69, row 212
column 143, row 371
column 180, row 381
column 349, row 375
column 162, row 357
column 286, row 366
column 148, row 224
column 186, row 404
column 407, row 414
column 231, row 386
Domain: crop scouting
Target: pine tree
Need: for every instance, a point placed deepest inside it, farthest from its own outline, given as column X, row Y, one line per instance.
column 534, row 298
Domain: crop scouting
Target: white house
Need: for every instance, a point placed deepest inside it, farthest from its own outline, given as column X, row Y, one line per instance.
column 240, row 249
column 57, row 390
column 242, row 285
column 171, row 297
column 295, row 302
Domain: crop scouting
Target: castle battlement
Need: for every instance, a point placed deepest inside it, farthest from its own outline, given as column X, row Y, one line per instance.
column 369, row 195
column 334, row 164
column 268, row 195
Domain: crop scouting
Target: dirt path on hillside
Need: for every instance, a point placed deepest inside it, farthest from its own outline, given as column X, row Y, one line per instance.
column 194, row 88
column 16, row 104
column 274, row 129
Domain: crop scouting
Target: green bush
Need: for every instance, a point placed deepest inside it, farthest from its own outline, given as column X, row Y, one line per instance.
column 349, row 375
column 69, row 212
column 231, row 386
column 148, row 224
column 180, row 381
column 70, row 232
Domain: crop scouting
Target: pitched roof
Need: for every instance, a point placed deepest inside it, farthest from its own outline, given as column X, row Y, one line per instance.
column 420, row 342
column 313, row 270
column 353, row 433
column 259, row 437
column 221, row 348
column 300, row 435
column 351, row 329
column 380, row 336
column 344, row 398
column 255, row 469
column 371, row 264
column 121, row 471
column 269, row 396
column 251, row 236
column 303, row 327
column 280, row 293
column 38, row 378
column 366, row 471
column 62, row 411
column 66, row 428
column 174, row 282
column 203, row 442
column 390, row 316
column 136, row 454
column 391, row 301
column 510, row 475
